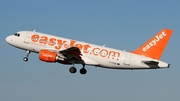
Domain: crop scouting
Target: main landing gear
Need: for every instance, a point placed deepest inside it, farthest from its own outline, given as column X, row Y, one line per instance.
column 82, row 70
column 27, row 55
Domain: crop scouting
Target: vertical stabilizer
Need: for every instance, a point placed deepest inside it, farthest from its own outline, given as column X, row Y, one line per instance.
column 155, row 46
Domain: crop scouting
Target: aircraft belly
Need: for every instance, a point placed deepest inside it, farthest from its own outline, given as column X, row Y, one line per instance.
column 109, row 63
column 89, row 61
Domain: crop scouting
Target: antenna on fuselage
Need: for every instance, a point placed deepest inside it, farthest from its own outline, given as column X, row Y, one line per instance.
column 34, row 30
column 104, row 45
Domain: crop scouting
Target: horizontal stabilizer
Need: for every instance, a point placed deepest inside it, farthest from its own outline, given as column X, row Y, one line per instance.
column 151, row 62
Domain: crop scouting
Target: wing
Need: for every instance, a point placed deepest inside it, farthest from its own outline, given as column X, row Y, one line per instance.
column 72, row 54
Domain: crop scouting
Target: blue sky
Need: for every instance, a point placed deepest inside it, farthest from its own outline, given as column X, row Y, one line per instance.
column 121, row 24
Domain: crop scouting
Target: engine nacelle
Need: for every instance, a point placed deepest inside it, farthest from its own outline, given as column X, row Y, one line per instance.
column 47, row 56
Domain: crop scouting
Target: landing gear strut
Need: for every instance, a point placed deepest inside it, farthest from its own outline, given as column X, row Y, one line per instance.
column 27, row 55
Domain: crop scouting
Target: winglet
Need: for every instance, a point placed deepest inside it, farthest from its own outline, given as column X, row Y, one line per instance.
column 155, row 46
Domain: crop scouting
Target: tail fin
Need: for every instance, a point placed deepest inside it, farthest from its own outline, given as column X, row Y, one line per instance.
column 155, row 46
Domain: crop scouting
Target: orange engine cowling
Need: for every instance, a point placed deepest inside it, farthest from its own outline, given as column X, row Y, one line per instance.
column 47, row 56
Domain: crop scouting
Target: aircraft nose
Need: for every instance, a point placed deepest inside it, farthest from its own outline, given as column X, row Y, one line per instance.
column 9, row 39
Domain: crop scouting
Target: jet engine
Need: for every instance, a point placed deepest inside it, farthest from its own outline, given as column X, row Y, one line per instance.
column 49, row 56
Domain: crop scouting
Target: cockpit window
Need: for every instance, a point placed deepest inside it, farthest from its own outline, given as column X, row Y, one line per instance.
column 17, row 34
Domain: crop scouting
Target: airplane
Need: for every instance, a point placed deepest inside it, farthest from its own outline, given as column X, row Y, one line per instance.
column 53, row 49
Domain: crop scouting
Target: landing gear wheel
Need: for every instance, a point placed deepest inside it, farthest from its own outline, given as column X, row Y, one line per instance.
column 25, row 59
column 72, row 70
column 83, row 71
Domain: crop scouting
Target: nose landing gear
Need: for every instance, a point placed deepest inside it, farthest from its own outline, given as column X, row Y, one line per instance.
column 27, row 55
column 25, row 59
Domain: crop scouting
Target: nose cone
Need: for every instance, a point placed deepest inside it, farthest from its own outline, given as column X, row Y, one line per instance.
column 9, row 39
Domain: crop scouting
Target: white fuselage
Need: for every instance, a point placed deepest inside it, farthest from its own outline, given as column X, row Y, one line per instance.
column 91, row 54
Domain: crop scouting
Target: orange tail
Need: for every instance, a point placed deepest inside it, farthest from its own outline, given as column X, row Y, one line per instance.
column 155, row 46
